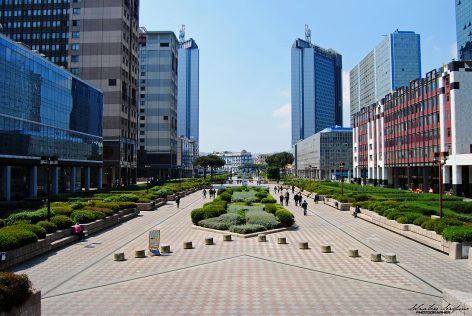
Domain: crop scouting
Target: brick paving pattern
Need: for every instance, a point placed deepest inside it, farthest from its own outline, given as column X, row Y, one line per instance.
column 244, row 276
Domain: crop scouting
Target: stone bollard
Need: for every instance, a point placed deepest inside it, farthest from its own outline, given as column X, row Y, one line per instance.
column 261, row 238
column 119, row 256
column 188, row 245
column 375, row 257
column 353, row 253
column 165, row 249
column 209, row 241
column 140, row 254
column 303, row 245
column 282, row 240
column 325, row 248
column 227, row 238
column 390, row 257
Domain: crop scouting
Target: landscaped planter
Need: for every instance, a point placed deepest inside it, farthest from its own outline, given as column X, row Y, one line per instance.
column 145, row 206
column 31, row 307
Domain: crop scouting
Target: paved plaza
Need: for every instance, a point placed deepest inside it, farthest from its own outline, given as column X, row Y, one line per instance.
column 244, row 276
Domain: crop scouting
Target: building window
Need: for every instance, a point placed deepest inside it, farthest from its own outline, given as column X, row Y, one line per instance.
column 76, row 23
column 166, row 118
column 74, row 58
column 74, row 71
column 75, row 34
column 164, row 45
column 75, row 47
column 76, row 11
column 112, row 82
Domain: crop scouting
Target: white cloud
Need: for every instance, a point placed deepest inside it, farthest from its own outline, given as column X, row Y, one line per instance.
column 284, row 113
column 346, row 99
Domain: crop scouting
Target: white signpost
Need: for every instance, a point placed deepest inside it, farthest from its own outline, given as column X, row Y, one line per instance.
column 154, row 240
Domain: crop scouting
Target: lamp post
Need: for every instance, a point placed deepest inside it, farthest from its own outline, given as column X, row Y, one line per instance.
column 341, row 166
column 440, row 158
column 48, row 161
column 146, row 168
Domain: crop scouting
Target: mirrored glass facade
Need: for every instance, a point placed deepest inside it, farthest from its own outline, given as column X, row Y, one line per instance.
column 44, row 110
column 464, row 29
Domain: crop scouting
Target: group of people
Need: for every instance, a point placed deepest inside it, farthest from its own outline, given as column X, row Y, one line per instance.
column 211, row 193
column 297, row 198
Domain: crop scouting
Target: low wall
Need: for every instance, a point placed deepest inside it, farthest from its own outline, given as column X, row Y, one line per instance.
column 62, row 238
column 340, row 206
column 458, row 303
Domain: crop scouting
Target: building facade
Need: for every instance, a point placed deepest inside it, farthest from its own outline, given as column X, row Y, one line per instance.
column 96, row 40
column 187, row 152
column 464, row 29
column 324, row 155
column 391, row 64
column 405, row 129
column 158, row 104
column 235, row 161
column 316, row 89
column 46, row 111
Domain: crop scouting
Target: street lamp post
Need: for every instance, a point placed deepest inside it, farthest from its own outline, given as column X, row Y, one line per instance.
column 341, row 166
column 48, row 161
column 146, row 168
column 440, row 158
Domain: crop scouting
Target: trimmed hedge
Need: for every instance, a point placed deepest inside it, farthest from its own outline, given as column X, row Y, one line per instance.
column 15, row 289
column 246, row 229
column 15, row 238
column 33, row 217
column 225, row 196
column 285, row 217
column 269, row 221
column 48, row 226
column 408, row 217
column 439, row 224
column 39, row 231
column 457, row 233
column 122, row 198
column 197, row 215
column 268, row 200
column 85, row 216
column 62, row 221
column 270, row 208
column 222, row 222
column 421, row 219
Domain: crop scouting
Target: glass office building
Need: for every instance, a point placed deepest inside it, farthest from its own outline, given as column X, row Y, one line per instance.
column 464, row 29
column 46, row 111
column 316, row 89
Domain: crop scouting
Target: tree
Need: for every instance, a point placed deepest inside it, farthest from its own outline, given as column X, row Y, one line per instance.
column 202, row 162
column 214, row 162
column 279, row 161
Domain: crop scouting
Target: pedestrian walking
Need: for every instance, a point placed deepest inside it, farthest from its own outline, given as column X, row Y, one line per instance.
column 204, row 193
column 293, row 189
column 177, row 201
column 281, row 198
column 275, row 189
column 317, row 198
column 304, row 206
column 287, row 197
column 295, row 198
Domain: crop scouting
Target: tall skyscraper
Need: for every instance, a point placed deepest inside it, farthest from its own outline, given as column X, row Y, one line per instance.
column 392, row 64
column 158, row 104
column 188, row 89
column 316, row 88
column 464, row 29
column 96, row 40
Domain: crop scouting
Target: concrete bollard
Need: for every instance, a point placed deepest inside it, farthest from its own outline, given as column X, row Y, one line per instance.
column 325, row 248
column 376, row 257
column 119, row 256
column 188, row 245
column 282, row 240
column 261, row 238
column 140, row 254
column 227, row 238
column 165, row 249
column 390, row 257
column 353, row 253
column 303, row 245
column 209, row 241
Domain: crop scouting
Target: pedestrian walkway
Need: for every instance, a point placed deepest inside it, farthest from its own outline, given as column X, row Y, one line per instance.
column 244, row 276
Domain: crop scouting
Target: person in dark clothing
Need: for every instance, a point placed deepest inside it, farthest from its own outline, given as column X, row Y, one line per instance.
column 293, row 189
column 305, row 207
column 357, row 210
column 287, row 197
column 177, row 201
column 281, row 198
column 295, row 198
column 317, row 198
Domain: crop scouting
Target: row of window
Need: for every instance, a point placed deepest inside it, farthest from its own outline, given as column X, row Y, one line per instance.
column 22, row 2
column 26, row 13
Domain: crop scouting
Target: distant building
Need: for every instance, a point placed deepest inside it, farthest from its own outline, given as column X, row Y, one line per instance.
column 158, row 105
column 395, row 139
column 316, row 89
column 392, row 64
column 46, row 111
column 464, row 29
column 261, row 158
column 235, row 161
column 320, row 156
column 187, row 152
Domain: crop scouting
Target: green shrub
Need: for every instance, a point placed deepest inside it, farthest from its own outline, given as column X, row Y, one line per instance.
column 457, row 233
column 197, row 215
column 269, row 221
column 125, row 205
column 285, row 217
column 261, row 194
column 214, row 210
column 222, row 222
column 2, row 223
column 63, row 209
column 15, row 238
column 33, row 217
column 122, row 198
column 225, row 197
column 245, row 196
column 246, row 229
column 421, row 219
column 39, row 231
column 85, row 216
column 164, row 192
column 409, row 207
column 444, row 222
column 15, row 289
column 77, row 205
column 268, row 200
column 48, row 226
column 429, row 224
column 408, row 217
column 220, row 191
column 270, row 208
column 144, row 200
column 394, row 214
column 61, row 221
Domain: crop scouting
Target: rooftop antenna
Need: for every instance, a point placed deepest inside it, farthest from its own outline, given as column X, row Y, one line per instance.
column 182, row 34
column 307, row 33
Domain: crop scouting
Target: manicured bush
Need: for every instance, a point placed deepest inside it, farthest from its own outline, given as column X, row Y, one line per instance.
column 197, row 215
column 164, row 192
column 270, row 208
column 225, row 197
column 144, row 200
column 444, row 222
column 125, row 205
column 214, row 210
column 269, row 221
column 39, row 231
column 33, row 217
column 2, row 223
column 63, row 209
column 394, row 214
column 246, row 229
column 61, row 221
column 77, row 205
column 103, row 210
column 122, row 198
column 408, row 217
column 245, row 196
column 15, row 238
column 261, row 194
column 84, row 216
column 285, row 217
column 268, row 200
column 421, row 219
column 220, row 191
column 410, row 207
column 15, row 289
column 222, row 222
column 429, row 224
column 457, row 233
column 48, row 226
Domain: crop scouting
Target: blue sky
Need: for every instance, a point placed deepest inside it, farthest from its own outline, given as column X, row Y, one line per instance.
column 245, row 54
